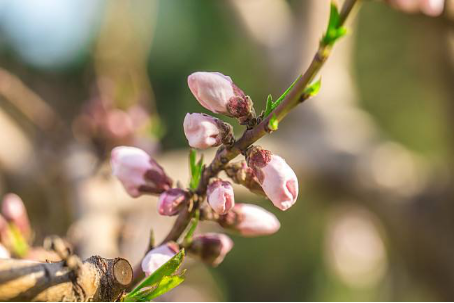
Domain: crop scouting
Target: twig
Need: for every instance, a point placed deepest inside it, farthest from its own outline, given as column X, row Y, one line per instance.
column 98, row 279
column 226, row 154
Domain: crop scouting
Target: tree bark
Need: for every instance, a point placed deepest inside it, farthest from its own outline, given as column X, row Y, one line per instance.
column 98, row 279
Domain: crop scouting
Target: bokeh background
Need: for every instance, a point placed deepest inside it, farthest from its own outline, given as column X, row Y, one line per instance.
column 373, row 152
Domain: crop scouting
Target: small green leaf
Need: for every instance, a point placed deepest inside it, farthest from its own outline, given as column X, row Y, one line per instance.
column 166, row 284
column 269, row 105
column 313, row 89
column 19, row 244
column 196, row 169
column 334, row 30
column 192, row 160
column 276, row 103
column 274, row 123
column 168, row 269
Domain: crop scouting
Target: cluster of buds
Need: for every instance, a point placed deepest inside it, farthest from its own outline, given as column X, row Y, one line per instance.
column 261, row 172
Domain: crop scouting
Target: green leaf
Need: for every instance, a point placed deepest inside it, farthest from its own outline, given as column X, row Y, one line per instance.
column 168, row 269
column 192, row 160
column 19, row 244
column 196, row 169
column 313, row 89
column 166, row 284
column 273, row 105
column 274, row 123
column 269, row 105
column 334, row 30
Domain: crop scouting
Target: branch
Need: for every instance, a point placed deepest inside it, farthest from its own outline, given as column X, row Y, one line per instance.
column 225, row 154
column 27, row 102
column 99, row 279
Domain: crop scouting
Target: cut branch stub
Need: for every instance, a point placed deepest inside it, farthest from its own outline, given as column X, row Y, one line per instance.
column 99, row 279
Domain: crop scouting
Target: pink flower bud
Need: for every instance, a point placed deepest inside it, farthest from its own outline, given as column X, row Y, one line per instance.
column 219, row 94
column 211, row 248
column 220, row 196
column 138, row 172
column 250, row 220
column 432, row 7
column 4, row 253
column 171, row 201
column 278, row 180
column 158, row 256
column 202, row 131
column 13, row 209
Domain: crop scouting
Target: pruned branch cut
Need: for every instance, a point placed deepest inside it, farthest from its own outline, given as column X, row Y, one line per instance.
column 98, row 279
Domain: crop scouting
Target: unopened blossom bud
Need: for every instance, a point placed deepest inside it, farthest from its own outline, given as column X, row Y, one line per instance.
column 219, row 94
column 428, row 7
column 138, row 172
column 13, row 209
column 211, row 248
column 203, row 131
column 278, row 180
column 220, row 196
column 250, row 220
column 4, row 253
column 432, row 7
column 158, row 256
column 171, row 201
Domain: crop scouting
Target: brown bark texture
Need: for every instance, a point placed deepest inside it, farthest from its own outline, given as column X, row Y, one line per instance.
column 98, row 279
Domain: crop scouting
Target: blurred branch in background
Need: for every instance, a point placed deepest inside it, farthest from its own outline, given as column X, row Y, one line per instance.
column 120, row 111
column 27, row 102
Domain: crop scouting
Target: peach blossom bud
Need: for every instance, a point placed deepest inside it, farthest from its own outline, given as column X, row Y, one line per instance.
column 138, row 172
column 432, row 7
column 220, row 196
column 158, row 256
column 278, row 180
column 220, row 95
column 211, row 248
column 171, row 201
column 408, row 6
column 13, row 209
column 202, row 131
column 250, row 220
column 4, row 253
